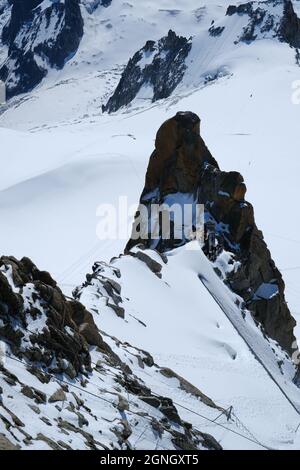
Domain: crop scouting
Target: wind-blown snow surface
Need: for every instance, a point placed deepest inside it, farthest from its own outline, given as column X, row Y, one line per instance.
column 180, row 322
column 61, row 158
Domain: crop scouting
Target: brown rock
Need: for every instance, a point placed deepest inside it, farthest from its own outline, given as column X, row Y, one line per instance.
column 5, row 444
column 55, row 340
column 181, row 163
column 91, row 334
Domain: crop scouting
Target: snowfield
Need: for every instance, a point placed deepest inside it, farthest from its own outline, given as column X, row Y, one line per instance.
column 195, row 338
column 62, row 157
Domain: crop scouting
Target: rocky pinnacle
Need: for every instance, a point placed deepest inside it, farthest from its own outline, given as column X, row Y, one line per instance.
column 182, row 168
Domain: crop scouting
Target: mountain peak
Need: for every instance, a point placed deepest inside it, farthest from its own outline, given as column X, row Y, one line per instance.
column 40, row 36
column 159, row 67
column 182, row 172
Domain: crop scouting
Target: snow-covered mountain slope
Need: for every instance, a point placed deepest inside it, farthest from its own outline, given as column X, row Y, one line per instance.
column 66, row 385
column 40, row 34
column 63, row 385
column 145, row 76
column 195, row 338
column 62, row 157
column 79, row 161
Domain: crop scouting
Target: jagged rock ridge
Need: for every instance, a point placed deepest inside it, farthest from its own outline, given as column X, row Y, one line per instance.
column 269, row 19
column 159, row 66
column 39, row 35
column 157, row 69
column 92, row 5
column 65, row 385
column 30, row 297
column 181, row 169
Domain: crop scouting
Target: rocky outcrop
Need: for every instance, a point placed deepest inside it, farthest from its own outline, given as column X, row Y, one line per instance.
column 54, row 355
column 102, row 283
column 156, row 70
column 39, row 323
column 39, row 36
column 158, row 66
column 181, row 170
column 269, row 19
column 4, row 4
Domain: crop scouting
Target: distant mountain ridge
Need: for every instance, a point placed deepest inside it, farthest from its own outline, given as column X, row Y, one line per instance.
column 44, row 34
column 158, row 65
column 268, row 19
column 40, row 34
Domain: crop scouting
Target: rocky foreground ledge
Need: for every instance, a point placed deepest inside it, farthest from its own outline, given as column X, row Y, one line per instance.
column 64, row 384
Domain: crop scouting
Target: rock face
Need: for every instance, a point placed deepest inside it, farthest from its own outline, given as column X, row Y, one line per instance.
column 157, row 69
column 4, row 4
column 103, row 283
column 109, row 391
column 182, row 170
column 290, row 25
column 158, row 66
column 39, row 323
column 269, row 19
column 39, row 35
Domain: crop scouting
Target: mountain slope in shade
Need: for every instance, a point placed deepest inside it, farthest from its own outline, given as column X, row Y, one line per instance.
column 158, row 66
column 40, row 34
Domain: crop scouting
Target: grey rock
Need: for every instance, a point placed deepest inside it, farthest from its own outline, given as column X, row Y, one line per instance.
column 59, row 395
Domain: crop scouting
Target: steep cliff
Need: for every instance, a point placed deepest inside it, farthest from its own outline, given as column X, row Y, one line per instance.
column 182, row 171
column 39, row 35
